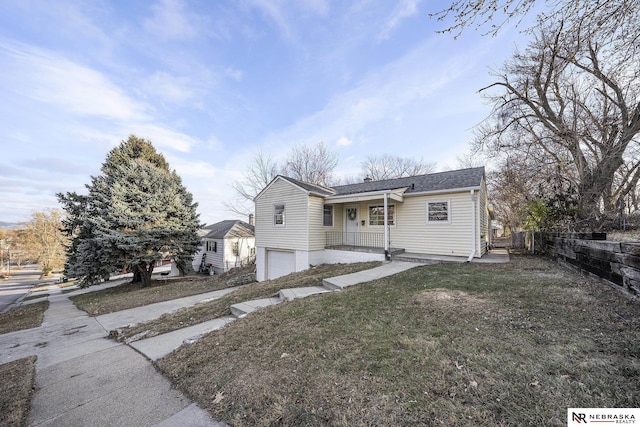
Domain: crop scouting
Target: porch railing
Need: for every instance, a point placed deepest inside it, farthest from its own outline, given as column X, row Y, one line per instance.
column 355, row 239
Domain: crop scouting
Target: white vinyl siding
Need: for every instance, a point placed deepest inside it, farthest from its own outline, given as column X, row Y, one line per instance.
column 294, row 233
column 414, row 234
column 216, row 258
column 317, row 230
column 484, row 219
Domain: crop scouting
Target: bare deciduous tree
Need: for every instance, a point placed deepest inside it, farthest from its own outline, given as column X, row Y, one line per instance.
column 314, row 164
column 610, row 19
column 44, row 240
column 574, row 103
column 311, row 163
column 260, row 171
column 387, row 166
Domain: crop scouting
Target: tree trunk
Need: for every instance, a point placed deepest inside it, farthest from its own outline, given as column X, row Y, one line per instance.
column 145, row 270
column 185, row 268
column 137, row 277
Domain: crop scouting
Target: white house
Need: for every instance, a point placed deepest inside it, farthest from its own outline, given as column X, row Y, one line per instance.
column 226, row 245
column 300, row 224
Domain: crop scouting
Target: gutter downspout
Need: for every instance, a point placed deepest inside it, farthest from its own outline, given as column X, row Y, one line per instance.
column 473, row 226
column 386, row 229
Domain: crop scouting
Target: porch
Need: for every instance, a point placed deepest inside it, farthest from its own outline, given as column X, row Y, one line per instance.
column 358, row 242
column 374, row 243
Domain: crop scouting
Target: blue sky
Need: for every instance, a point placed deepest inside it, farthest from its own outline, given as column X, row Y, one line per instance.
column 211, row 82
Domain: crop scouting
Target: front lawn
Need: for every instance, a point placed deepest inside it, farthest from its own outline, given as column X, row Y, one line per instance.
column 25, row 316
column 199, row 313
column 130, row 295
column 446, row 344
column 16, row 387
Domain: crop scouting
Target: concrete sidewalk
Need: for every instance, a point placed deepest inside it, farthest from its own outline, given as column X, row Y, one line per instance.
column 84, row 378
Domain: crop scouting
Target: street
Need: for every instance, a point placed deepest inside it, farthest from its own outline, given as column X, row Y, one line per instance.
column 18, row 284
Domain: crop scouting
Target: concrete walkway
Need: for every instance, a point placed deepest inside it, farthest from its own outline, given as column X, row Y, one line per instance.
column 85, row 378
column 494, row 256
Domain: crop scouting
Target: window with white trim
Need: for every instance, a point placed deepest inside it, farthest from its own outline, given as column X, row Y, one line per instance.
column 327, row 215
column 438, row 211
column 376, row 215
column 278, row 214
column 235, row 248
column 212, row 246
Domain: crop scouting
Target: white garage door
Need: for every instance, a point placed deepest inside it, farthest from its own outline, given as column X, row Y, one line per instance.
column 280, row 263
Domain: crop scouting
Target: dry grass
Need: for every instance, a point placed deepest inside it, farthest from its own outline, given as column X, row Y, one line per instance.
column 16, row 385
column 211, row 310
column 468, row 344
column 23, row 317
column 130, row 295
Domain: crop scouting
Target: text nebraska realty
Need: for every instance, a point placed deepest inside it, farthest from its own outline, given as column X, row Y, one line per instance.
column 604, row 418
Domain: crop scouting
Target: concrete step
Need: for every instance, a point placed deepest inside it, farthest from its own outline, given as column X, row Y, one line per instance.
column 415, row 259
column 159, row 346
column 241, row 309
column 427, row 259
column 332, row 285
column 295, row 293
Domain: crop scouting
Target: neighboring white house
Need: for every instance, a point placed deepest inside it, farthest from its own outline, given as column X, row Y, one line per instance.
column 300, row 224
column 226, row 245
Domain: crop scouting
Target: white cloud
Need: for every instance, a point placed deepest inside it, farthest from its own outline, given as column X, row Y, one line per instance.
column 169, row 88
column 170, row 21
column 375, row 108
column 192, row 169
column 234, row 73
column 274, row 10
column 55, row 80
column 405, row 9
column 318, row 7
column 163, row 137
column 344, row 141
column 287, row 15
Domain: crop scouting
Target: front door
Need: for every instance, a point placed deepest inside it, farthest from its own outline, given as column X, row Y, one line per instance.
column 351, row 226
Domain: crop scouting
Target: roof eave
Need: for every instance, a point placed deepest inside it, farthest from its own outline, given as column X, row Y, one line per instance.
column 443, row 191
column 395, row 194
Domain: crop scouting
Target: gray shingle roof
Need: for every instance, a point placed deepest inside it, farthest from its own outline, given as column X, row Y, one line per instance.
column 449, row 180
column 229, row 228
column 318, row 189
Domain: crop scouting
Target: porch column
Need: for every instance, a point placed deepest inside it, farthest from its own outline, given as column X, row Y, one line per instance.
column 386, row 226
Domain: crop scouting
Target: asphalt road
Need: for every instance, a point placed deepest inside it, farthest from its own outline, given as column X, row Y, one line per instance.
column 17, row 285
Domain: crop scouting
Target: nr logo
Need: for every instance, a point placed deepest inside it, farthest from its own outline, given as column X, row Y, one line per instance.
column 579, row 418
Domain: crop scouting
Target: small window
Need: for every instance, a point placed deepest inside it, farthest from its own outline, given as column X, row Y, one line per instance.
column 235, row 248
column 212, row 246
column 438, row 211
column 376, row 215
column 278, row 214
column 327, row 215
